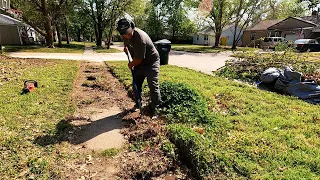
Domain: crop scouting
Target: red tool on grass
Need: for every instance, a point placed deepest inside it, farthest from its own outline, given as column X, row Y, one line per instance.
column 29, row 86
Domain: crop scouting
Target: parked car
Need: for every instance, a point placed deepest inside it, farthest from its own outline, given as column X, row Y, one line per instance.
column 271, row 42
column 303, row 45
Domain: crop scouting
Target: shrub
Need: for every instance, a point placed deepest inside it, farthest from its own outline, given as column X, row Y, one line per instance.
column 249, row 66
column 183, row 104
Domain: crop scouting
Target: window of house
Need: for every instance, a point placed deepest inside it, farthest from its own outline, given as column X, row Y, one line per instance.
column 4, row 4
column 205, row 37
column 197, row 37
column 275, row 34
column 253, row 36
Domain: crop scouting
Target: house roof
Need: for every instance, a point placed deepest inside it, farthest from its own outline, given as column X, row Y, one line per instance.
column 7, row 20
column 292, row 23
column 263, row 25
column 312, row 19
column 210, row 30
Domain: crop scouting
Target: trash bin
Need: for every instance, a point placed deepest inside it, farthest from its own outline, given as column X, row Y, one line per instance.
column 163, row 46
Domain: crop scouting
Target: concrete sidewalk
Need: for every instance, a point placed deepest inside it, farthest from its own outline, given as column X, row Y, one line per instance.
column 88, row 55
column 204, row 62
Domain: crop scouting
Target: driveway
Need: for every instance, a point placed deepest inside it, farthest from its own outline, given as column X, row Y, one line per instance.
column 204, row 62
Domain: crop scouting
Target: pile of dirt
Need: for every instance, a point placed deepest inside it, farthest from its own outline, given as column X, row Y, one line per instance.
column 146, row 157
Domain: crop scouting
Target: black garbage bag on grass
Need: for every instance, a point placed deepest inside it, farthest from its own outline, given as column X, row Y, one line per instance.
column 289, row 82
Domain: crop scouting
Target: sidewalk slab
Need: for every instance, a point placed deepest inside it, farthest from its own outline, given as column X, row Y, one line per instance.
column 203, row 62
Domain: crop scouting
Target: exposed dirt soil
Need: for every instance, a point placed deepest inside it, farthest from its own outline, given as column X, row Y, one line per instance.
column 11, row 67
column 102, row 120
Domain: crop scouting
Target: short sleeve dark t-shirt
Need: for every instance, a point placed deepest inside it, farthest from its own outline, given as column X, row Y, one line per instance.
column 141, row 46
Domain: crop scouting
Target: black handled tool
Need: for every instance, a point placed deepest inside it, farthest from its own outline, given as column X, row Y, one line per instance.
column 135, row 87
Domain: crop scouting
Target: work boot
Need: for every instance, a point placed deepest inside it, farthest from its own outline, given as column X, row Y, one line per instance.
column 135, row 108
column 155, row 112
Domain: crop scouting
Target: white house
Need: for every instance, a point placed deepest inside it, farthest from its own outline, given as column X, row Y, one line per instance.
column 15, row 32
column 5, row 4
column 207, row 37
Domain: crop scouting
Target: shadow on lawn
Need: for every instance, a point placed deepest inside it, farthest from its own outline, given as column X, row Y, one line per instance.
column 78, row 134
column 21, row 48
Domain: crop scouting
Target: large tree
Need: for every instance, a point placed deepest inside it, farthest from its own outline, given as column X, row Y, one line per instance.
column 245, row 11
column 81, row 25
column 312, row 4
column 103, row 13
column 40, row 14
column 285, row 8
column 155, row 23
column 137, row 11
column 220, row 14
column 180, row 25
column 117, row 10
column 168, row 17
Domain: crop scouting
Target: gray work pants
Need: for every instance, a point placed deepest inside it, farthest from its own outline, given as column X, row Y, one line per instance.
column 152, row 75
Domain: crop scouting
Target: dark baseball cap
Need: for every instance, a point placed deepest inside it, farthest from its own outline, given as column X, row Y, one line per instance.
column 124, row 26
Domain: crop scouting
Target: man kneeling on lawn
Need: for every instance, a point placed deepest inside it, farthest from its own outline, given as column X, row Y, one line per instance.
column 146, row 59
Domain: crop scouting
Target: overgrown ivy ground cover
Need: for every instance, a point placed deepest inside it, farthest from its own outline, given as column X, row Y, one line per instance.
column 250, row 133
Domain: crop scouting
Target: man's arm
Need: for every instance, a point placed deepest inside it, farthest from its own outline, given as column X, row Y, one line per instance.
column 135, row 62
column 139, row 52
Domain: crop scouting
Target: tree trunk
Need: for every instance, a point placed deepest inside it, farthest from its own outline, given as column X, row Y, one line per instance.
column 83, row 36
column 234, row 43
column 99, row 38
column 96, row 31
column 79, row 35
column 100, row 33
column 59, row 35
column 216, row 44
column 49, row 33
column 173, row 36
column 47, row 24
column 219, row 24
column 66, row 30
column 110, row 34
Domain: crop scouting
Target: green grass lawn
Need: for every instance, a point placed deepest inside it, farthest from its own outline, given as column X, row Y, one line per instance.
column 26, row 121
column 207, row 49
column 89, row 43
column 255, row 135
column 105, row 50
column 73, row 47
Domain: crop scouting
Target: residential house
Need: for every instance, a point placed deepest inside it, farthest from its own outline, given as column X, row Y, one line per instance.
column 13, row 31
column 251, row 37
column 293, row 28
column 208, row 37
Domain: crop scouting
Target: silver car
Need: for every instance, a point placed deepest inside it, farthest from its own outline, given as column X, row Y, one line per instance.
column 271, row 42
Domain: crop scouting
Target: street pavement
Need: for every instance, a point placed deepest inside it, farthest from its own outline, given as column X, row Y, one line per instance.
column 204, row 62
